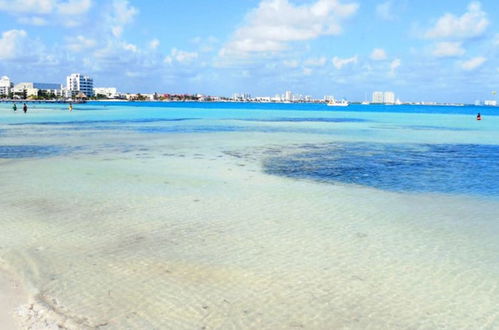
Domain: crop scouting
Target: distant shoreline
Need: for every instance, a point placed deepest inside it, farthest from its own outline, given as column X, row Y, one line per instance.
column 40, row 101
column 274, row 102
column 229, row 101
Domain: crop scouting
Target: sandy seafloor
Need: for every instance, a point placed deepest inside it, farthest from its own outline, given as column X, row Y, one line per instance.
column 176, row 225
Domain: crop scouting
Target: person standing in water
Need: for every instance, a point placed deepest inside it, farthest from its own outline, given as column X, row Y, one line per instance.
column 479, row 116
column 25, row 108
column 70, row 107
column 14, row 107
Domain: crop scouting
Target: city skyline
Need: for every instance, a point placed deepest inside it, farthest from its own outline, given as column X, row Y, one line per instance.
column 82, row 85
column 445, row 51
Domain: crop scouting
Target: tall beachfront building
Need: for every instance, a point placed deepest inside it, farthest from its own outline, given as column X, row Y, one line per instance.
column 384, row 97
column 378, row 97
column 389, row 98
column 77, row 83
column 5, row 86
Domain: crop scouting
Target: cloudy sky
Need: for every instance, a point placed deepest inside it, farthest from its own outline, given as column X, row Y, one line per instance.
column 442, row 50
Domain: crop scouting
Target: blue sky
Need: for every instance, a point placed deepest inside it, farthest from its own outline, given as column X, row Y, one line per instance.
column 445, row 50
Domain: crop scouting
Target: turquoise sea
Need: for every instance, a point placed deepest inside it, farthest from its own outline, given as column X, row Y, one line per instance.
column 241, row 215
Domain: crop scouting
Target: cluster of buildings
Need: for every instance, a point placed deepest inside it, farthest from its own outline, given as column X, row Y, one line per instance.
column 287, row 97
column 487, row 103
column 78, row 86
column 378, row 97
column 384, row 98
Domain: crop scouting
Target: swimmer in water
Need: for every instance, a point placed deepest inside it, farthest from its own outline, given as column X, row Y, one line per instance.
column 479, row 117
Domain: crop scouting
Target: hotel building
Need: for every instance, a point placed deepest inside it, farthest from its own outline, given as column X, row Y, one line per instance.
column 389, row 98
column 78, row 83
column 109, row 92
column 27, row 89
column 384, row 97
column 5, row 86
column 378, row 97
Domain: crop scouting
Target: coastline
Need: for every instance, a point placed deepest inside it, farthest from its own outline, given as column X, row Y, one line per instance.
column 40, row 101
column 186, row 230
column 20, row 310
column 12, row 297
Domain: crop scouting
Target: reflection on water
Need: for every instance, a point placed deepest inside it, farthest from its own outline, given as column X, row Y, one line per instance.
column 447, row 168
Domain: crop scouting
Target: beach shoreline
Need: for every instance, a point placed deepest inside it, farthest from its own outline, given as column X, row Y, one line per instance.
column 12, row 297
column 123, row 221
column 19, row 309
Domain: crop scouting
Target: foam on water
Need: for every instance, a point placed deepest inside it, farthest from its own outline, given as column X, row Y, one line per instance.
column 182, row 228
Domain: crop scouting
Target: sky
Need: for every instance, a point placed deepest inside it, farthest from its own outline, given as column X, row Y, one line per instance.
column 425, row 50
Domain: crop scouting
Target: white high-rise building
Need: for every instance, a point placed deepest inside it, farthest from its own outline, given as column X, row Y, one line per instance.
column 389, row 98
column 384, row 97
column 5, row 86
column 378, row 97
column 77, row 83
column 288, row 97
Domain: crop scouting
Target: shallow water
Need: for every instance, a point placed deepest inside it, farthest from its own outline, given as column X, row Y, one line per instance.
column 252, row 216
column 448, row 168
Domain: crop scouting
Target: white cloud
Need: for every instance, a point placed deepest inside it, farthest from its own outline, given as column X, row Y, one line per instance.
column 80, row 43
column 448, row 49
column 473, row 63
column 378, row 54
column 471, row 24
column 74, row 7
column 291, row 63
column 28, row 6
column 275, row 23
column 320, row 61
column 205, row 44
column 122, row 14
column 180, row 56
column 115, row 56
column 130, row 47
column 385, row 11
column 339, row 63
column 33, row 20
column 153, row 44
column 394, row 65
column 11, row 43
column 43, row 12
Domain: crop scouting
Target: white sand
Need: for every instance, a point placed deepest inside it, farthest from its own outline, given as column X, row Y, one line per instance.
column 186, row 232
column 12, row 296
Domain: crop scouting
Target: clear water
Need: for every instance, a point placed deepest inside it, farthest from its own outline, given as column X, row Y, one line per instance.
column 276, row 216
column 471, row 169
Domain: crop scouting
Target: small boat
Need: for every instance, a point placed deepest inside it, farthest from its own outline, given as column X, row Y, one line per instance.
column 336, row 103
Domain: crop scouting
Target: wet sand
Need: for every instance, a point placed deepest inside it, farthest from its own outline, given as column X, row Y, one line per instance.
column 12, row 297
